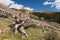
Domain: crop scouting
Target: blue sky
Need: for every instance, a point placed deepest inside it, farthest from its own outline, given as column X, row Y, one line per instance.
column 37, row 5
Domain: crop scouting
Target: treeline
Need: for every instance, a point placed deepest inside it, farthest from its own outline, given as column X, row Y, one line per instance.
column 54, row 16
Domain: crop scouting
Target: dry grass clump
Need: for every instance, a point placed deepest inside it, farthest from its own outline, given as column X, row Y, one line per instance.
column 51, row 36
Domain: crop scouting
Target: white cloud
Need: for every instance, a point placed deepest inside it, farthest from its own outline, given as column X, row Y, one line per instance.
column 13, row 4
column 46, row 3
column 27, row 8
column 55, row 4
column 16, row 6
column 6, row 2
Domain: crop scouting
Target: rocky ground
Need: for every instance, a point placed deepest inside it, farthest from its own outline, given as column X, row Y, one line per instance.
column 34, row 32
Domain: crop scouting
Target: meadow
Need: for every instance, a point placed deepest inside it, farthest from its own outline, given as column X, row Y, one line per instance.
column 34, row 32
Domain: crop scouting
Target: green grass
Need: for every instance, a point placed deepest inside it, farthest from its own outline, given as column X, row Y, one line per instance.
column 34, row 32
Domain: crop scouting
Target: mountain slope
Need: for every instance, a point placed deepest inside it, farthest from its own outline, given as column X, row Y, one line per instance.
column 19, row 13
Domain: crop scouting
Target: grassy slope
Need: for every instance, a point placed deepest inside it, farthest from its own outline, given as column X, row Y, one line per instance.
column 34, row 33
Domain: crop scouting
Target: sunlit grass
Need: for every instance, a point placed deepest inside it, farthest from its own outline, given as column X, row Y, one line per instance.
column 5, row 22
column 34, row 32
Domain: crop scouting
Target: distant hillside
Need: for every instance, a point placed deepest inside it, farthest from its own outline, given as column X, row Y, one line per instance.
column 46, row 11
column 48, row 15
